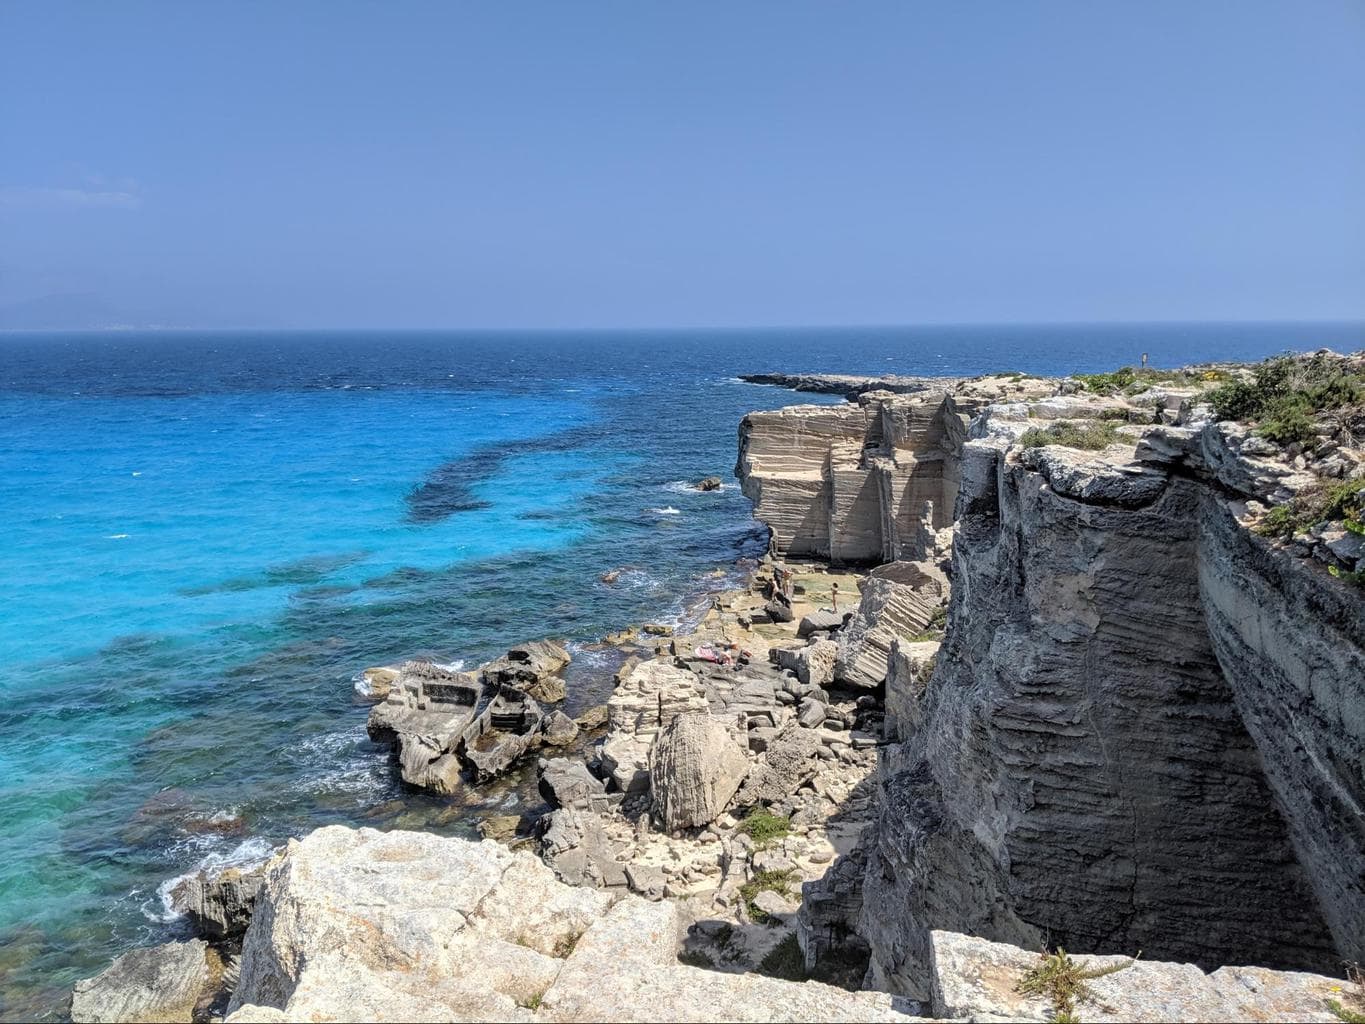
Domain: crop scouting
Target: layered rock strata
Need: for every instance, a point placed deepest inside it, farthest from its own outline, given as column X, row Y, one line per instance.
column 1142, row 728
column 870, row 482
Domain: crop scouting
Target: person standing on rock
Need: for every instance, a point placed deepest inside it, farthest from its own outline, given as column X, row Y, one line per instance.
column 834, row 596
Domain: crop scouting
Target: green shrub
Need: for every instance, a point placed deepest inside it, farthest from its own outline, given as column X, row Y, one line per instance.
column 1351, row 1008
column 1092, row 435
column 764, row 827
column 1130, row 380
column 1118, row 415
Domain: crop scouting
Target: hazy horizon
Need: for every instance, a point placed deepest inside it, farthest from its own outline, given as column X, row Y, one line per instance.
column 612, row 166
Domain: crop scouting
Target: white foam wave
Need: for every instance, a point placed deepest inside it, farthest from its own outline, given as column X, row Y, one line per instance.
column 248, row 854
column 667, row 510
column 117, row 536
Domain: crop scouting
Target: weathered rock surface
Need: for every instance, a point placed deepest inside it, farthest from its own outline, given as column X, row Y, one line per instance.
column 531, row 668
column 219, row 903
column 695, row 767
column 908, row 668
column 822, row 620
column 423, row 716
column 866, row 483
column 441, row 722
column 407, row 926
column 565, row 782
column 976, row 979
column 158, row 983
column 887, row 610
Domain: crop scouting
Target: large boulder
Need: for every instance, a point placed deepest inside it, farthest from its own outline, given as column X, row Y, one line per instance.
column 646, row 699
column 792, row 758
column 158, row 983
column 886, row 610
column 779, row 608
column 695, row 767
column 565, row 782
column 363, row 925
column 821, row 621
column 576, row 845
column 908, row 669
column 815, row 663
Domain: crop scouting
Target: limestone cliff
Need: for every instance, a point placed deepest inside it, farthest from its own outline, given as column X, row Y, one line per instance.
column 1146, row 724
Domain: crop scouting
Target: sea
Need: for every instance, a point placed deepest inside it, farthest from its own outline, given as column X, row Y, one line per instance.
column 207, row 536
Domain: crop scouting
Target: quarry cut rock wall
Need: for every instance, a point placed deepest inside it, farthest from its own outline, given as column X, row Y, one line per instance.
column 1146, row 725
column 854, row 484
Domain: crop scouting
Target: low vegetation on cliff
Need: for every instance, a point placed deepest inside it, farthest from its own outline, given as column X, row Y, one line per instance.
column 1297, row 400
column 1091, row 435
column 1131, row 380
column 1062, row 980
column 1324, row 502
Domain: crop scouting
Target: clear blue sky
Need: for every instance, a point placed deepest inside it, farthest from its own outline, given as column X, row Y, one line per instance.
column 639, row 163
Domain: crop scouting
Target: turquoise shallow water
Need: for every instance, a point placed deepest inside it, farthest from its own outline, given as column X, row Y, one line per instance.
column 208, row 536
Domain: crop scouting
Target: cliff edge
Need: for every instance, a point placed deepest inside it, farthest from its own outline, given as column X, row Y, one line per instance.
column 1145, row 727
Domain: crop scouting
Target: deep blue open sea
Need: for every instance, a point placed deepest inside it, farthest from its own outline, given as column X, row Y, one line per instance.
column 206, row 536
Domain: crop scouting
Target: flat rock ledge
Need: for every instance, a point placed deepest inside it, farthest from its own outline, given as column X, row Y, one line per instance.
column 363, row 925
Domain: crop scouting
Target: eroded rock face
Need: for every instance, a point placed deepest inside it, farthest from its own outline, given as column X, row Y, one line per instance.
column 219, row 903
column 1143, row 728
column 423, row 716
column 532, row 668
column 442, row 722
column 870, row 482
column 159, row 983
column 1291, row 644
column 1080, row 769
column 695, row 767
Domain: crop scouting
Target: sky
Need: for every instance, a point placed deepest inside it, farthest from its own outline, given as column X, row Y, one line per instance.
column 602, row 164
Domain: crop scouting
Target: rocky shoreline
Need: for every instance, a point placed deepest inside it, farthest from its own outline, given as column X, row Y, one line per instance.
column 1002, row 685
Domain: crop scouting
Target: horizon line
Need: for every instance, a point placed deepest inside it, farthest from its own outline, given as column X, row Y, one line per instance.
column 541, row 329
